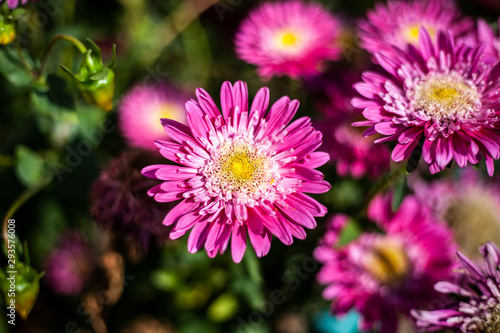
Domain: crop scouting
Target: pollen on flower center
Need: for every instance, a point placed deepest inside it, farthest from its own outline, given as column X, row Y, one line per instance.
column 388, row 262
column 240, row 169
column 287, row 40
column 446, row 97
column 240, row 166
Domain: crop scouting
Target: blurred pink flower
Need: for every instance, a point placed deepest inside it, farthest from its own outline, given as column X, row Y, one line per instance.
column 70, row 265
column 243, row 170
column 398, row 23
column 143, row 107
column 291, row 38
column 486, row 34
column 444, row 94
column 384, row 275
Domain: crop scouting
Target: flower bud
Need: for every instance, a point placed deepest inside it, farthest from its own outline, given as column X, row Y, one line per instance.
column 20, row 288
column 96, row 81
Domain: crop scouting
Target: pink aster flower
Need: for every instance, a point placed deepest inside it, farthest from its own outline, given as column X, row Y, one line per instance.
column 398, row 23
column 291, row 38
column 69, row 266
column 385, row 275
column 141, row 111
column 353, row 155
column 443, row 94
column 475, row 302
column 243, row 171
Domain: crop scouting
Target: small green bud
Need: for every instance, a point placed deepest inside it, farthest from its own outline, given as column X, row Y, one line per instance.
column 96, row 81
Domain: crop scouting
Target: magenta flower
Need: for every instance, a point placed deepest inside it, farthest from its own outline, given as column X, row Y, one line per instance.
column 475, row 302
column 444, row 94
column 244, row 170
column 399, row 22
column 141, row 111
column 291, row 38
column 383, row 276
column 353, row 155
column 69, row 266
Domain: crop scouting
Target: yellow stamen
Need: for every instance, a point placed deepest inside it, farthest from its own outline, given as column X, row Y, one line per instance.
column 388, row 262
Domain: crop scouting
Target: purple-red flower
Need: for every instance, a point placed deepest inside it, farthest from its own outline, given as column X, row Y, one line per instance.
column 141, row 111
column 443, row 94
column 242, row 171
column 475, row 302
column 291, row 38
column 70, row 264
column 398, row 23
column 385, row 275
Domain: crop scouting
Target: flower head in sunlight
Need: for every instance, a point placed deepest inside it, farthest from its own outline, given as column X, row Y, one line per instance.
column 141, row 111
column 469, row 205
column 69, row 265
column 444, row 96
column 475, row 302
column 398, row 23
column 242, row 171
column 291, row 38
column 385, row 275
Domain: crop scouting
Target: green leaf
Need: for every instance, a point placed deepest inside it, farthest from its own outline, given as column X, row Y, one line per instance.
column 30, row 167
column 349, row 232
column 12, row 68
column 399, row 193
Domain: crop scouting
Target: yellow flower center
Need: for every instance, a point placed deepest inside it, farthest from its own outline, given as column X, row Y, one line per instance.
column 388, row 262
column 240, row 167
column 412, row 33
column 446, row 96
column 289, row 39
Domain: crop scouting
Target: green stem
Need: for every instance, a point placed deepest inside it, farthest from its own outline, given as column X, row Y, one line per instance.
column 21, row 200
column 79, row 45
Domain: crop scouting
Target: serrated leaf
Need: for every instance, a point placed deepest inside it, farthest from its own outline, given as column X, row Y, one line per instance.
column 30, row 167
column 12, row 68
column 100, row 75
